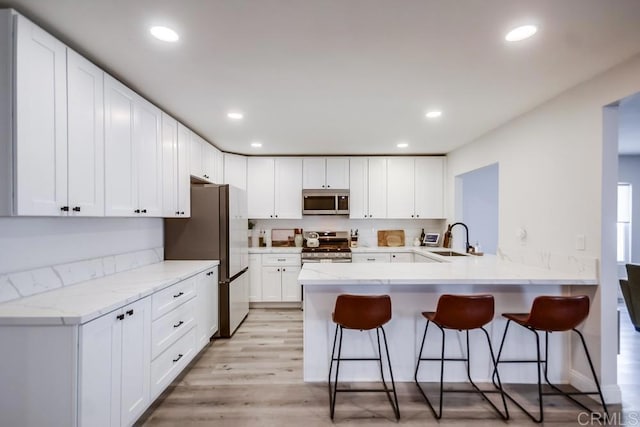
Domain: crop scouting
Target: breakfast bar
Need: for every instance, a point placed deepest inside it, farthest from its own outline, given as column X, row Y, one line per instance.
column 416, row 287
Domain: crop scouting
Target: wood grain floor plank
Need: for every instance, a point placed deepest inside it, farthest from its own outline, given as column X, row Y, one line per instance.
column 255, row 379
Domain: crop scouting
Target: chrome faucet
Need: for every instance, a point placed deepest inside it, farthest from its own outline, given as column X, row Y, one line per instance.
column 467, row 245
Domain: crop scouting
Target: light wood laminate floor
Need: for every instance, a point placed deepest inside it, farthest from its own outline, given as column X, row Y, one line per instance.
column 255, row 379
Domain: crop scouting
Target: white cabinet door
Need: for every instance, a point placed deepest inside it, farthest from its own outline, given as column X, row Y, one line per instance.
column 288, row 188
column 314, row 173
column 271, row 284
column 377, row 187
column 255, row 277
column 99, row 379
column 358, row 187
column 400, row 185
column 147, row 134
column 235, row 170
column 115, row 362
column 136, row 360
column 85, row 117
column 41, row 122
column 337, row 173
column 121, row 186
column 429, row 187
column 291, row 290
column 260, row 187
column 208, row 161
column 218, row 177
column 401, row 257
column 184, row 180
column 206, row 307
column 169, row 167
column 196, row 154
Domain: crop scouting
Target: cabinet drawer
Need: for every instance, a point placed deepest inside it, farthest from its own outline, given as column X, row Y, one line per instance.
column 281, row 259
column 167, row 329
column 371, row 257
column 167, row 299
column 401, row 257
column 169, row 364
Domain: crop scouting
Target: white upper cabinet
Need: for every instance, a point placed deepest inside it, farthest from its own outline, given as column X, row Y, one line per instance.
column 133, row 153
column 429, row 187
column 85, row 117
column 368, row 187
column 175, row 171
column 40, row 122
column 206, row 162
column 415, row 187
column 325, row 173
column 235, row 170
column 196, row 148
column 274, row 187
column 400, row 187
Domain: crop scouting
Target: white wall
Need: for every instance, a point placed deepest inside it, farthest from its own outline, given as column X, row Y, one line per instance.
column 551, row 175
column 27, row 243
column 629, row 171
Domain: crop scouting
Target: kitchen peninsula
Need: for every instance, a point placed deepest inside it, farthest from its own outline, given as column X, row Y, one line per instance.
column 414, row 288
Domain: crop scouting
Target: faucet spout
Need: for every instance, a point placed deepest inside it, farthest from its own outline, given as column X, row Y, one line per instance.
column 467, row 245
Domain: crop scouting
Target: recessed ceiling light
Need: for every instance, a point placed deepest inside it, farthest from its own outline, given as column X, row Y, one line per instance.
column 402, row 145
column 256, row 144
column 521, row 33
column 164, row 33
column 433, row 114
column 235, row 115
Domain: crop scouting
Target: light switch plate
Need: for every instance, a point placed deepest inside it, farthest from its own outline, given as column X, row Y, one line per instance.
column 580, row 243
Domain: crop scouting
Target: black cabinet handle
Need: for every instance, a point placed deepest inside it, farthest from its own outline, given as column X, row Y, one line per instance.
column 178, row 358
column 278, row 269
column 65, row 209
column 130, row 312
column 210, row 273
column 178, row 294
column 144, row 211
column 120, row 316
column 181, row 213
column 137, row 211
column 270, row 216
column 284, row 269
column 76, row 208
column 411, row 216
column 177, row 325
column 177, row 213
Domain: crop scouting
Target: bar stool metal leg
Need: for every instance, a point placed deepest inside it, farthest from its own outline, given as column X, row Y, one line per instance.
column 557, row 391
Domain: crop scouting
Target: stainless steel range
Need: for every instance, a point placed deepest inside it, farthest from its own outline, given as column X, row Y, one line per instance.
column 333, row 246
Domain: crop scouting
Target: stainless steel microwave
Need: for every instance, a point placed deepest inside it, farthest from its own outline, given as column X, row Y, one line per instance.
column 325, row 202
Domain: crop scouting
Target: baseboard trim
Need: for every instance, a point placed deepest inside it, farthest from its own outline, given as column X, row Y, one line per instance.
column 611, row 392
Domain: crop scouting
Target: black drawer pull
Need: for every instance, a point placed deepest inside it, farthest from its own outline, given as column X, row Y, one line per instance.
column 282, row 259
column 137, row 211
column 177, row 325
column 143, row 211
column 120, row 316
column 76, row 208
column 181, row 213
column 130, row 312
column 371, row 259
column 64, row 208
column 178, row 358
column 179, row 294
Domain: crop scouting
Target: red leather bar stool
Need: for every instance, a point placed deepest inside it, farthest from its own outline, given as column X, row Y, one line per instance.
column 552, row 314
column 364, row 313
column 462, row 313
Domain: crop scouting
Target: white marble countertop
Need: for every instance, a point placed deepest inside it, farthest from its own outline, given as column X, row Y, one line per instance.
column 464, row 270
column 275, row 250
column 88, row 300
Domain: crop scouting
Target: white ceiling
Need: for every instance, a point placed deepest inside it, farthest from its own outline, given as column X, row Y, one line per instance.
column 345, row 76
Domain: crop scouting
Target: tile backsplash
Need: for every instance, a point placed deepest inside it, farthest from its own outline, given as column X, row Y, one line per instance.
column 30, row 282
column 367, row 228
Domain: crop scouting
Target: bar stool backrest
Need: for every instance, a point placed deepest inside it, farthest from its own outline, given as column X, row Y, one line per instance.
column 464, row 312
column 362, row 312
column 558, row 313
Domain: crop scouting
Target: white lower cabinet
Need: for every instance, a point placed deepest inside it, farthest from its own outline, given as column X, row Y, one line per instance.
column 371, row 257
column 166, row 367
column 115, row 362
column 274, row 278
column 206, row 306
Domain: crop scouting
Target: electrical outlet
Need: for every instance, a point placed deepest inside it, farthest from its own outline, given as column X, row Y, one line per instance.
column 580, row 242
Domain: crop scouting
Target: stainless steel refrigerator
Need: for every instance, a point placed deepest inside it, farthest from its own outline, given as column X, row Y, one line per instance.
column 216, row 230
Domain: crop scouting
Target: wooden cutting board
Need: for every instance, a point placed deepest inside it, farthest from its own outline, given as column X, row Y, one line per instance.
column 390, row 237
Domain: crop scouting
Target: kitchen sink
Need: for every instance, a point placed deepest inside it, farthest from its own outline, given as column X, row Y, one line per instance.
column 448, row 253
